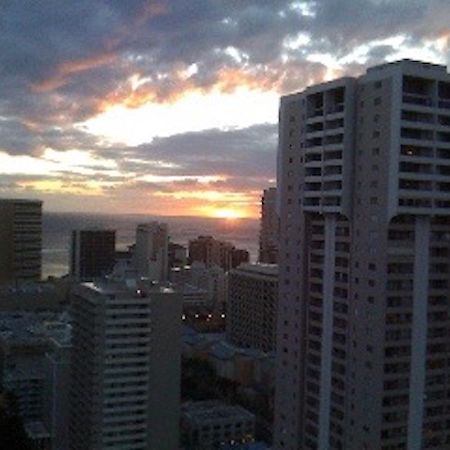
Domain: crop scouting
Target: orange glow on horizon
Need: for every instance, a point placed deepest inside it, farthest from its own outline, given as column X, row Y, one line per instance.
column 230, row 213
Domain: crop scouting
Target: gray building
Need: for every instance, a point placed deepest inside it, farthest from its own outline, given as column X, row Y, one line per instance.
column 26, row 339
column 364, row 180
column 208, row 424
column 151, row 253
column 252, row 306
column 268, row 235
column 20, row 240
column 57, row 371
column 125, row 386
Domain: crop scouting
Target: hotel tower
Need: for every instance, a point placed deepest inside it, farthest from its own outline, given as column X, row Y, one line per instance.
column 363, row 324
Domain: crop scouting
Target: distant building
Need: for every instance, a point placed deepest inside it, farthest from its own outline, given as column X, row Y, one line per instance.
column 177, row 255
column 212, row 252
column 239, row 256
column 25, row 340
column 20, row 240
column 268, row 237
column 210, row 279
column 208, row 424
column 92, row 253
column 35, row 296
column 252, row 306
column 151, row 251
column 125, row 386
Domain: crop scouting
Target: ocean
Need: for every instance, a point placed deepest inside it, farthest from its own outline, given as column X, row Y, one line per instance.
column 56, row 229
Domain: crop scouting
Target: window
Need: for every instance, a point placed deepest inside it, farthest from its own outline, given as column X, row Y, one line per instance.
column 377, row 101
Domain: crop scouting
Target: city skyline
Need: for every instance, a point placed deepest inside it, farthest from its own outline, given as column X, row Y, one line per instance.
column 170, row 108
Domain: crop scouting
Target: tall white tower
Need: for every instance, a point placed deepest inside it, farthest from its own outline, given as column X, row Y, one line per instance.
column 364, row 323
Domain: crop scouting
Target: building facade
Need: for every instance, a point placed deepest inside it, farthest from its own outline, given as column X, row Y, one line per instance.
column 214, row 252
column 209, row 424
column 252, row 306
column 151, row 251
column 268, row 235
column 92, row 253
column 363, row 325
column 125, row 368
column 20, row 240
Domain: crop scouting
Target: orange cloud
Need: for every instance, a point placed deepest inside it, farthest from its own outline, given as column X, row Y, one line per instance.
column 176, row 85
column 68, row 68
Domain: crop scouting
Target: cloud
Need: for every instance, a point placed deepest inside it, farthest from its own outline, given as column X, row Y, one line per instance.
column 63, row 63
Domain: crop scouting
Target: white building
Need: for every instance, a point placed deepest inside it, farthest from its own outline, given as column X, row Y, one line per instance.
column 125, row 388
column 364, row 180
column 151, row 251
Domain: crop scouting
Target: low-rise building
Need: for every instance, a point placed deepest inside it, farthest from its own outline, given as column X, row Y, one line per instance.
column 208, row 424
column 25, row 340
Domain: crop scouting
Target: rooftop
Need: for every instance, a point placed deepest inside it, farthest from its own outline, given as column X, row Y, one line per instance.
column 258, row 268
column 32, row 328
column 213, row 411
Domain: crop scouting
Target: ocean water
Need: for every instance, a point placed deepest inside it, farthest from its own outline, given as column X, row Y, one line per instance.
column 57, row 227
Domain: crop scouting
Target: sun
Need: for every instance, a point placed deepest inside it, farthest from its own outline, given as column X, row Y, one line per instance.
column 227, row 213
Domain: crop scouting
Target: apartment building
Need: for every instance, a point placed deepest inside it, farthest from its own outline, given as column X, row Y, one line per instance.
column 252, row 306
column 125, row 368
column 268, row 235
column 92, row 253
column 20, row 240
column 151, row 252
column 213, row 252
column 363, row 324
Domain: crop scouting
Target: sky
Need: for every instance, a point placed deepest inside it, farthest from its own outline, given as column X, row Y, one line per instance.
column 171, row 107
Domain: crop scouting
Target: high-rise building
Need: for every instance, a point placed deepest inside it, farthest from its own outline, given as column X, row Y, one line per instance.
column 20, row 240
column 151, row 251
column 363, row 329
column 268, row 235
column 92, row 253
column 213, row 252
column 252, row 306
column 126, row 346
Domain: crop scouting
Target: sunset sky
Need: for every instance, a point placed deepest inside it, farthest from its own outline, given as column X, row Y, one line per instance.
column 171, row 107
